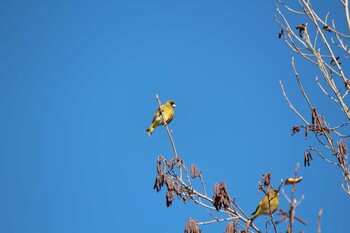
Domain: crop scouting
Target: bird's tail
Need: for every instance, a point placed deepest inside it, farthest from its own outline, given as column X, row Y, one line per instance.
column 149, row 131
column 254, row 215
column 252, row 219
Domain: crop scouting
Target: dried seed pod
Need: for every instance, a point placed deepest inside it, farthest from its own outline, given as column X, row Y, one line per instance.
column 194, row 171
column 159, row 167
column 176, row 161
column 192, row 227
column 307, row 158
column 159, row 182
column 170, row 195
column 221, row 197
column 342, row 148
column 293, row 180
column 169, row 183
column 231, row 227
column 306, row 131
column 314, row 116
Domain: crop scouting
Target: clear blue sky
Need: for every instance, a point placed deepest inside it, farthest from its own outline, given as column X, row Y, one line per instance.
column 77, row 89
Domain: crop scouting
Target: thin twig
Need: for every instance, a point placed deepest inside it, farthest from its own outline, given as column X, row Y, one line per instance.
column 216, row 220
column 320, row 213
column 291, row 105
column 210, row 200
column 166, row 126
column 169, row 133
column 271, row 217
column 203, row 185
column 187, row 174
column 290, row 9
column 301, row 85
column 324, row 158
column 239, row 208
column 325, row 92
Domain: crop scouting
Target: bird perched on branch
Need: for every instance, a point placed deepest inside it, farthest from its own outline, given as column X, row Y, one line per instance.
column 264, row 207
column 167, row 112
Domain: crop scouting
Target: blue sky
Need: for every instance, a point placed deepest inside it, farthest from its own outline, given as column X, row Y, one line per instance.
column 78, row 81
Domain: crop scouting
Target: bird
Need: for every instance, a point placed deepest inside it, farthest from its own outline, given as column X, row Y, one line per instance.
column 264, row 207
column 167, row 111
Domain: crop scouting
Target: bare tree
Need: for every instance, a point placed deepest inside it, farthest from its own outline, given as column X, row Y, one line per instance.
column 177, row 178
column 321, row 43
column 318, row 40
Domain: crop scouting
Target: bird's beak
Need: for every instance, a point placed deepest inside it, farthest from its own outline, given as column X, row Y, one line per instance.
column 174, row 105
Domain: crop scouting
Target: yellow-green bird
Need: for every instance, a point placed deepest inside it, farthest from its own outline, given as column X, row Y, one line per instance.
column 263, row 207
column 167, row 111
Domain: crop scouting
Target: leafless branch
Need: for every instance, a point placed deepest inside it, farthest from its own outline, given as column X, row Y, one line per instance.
column 330, row 67
column 167, row 128
column 324, row 158
column 291, row 105
column 320, row 213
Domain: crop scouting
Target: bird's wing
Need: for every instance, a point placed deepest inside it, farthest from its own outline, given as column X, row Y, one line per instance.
column 256, row 210
column 156, row 114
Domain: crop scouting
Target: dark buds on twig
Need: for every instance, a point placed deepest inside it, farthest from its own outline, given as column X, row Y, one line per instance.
column 301, row 28
column 317, row 126
column 266, row 178
column 221, row 197
column 280, row 34
column 327, row 28
column 333, row 62
column 347, row 84
column 192, row 227
column 307, row 158
column 265, row 183
column 306, row 131
column 295, row 129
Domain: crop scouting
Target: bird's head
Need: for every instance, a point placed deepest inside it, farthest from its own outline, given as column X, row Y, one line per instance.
column 170, row 103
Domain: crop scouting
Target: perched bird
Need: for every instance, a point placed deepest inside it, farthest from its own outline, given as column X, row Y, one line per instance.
column 264, row 207
column 167, row 111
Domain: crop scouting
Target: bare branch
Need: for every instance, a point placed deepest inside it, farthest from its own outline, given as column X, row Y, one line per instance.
column 301, row 85
column 325, row 92
column 324, row 158
column 291, row 105
column 320, row 213
column 167, row 128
